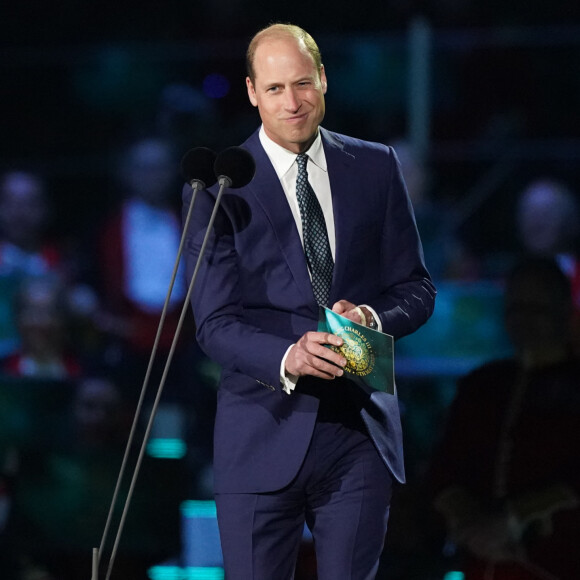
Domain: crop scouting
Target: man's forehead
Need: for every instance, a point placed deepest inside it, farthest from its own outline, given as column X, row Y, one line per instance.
column 270, row 60
column 279, row 45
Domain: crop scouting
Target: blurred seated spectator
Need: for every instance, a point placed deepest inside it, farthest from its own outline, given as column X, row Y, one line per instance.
column 25, row 245
column 29, row 247
column 42, row 317
column 62, row 494
column 24, row 219
column 137, row 247
column 548, row 223
column 505, row 474
column 99, row 417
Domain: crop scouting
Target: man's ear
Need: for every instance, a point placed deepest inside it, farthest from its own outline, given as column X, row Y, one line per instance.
column 323, row 81
column 251, row 92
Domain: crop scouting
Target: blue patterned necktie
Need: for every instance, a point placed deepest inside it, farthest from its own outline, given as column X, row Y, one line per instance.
column 315, row 236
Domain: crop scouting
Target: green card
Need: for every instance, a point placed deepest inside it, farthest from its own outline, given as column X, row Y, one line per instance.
column 369, row 354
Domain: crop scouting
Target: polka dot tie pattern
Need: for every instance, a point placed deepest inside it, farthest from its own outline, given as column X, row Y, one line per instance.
column 315, row 236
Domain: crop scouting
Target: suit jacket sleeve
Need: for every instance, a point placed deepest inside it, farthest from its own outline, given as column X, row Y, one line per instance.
column 228, row 327
column 407, row 293
column 379, row 258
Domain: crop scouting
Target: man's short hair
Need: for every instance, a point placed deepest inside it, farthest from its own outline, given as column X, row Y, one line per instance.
column 282, row 31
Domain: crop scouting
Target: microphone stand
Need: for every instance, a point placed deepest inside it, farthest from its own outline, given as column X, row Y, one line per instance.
column 223, row 182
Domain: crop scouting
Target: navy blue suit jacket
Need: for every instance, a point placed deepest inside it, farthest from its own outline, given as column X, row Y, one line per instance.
column 253, row 299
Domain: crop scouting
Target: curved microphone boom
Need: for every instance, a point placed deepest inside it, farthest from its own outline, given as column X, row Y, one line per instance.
column 197, row 167
column 234, row 167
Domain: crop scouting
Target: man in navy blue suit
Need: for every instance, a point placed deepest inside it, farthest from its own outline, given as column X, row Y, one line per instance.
column 295, row 440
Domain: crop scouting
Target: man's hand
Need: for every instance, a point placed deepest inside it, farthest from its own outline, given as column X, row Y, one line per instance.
column 348, row 310
column 309, row 356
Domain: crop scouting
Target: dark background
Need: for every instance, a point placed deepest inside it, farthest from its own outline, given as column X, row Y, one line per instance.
column 79, row 79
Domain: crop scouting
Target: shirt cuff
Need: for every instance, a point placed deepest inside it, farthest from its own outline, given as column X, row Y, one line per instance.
column 287, row 381
column 375, row 316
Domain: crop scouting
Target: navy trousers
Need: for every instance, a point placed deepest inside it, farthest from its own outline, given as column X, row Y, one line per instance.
column 342, row 492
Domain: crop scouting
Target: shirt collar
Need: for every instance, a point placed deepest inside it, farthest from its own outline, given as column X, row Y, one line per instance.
column 282, row 159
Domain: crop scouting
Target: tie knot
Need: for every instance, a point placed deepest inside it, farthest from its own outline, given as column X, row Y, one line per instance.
column 302, row 160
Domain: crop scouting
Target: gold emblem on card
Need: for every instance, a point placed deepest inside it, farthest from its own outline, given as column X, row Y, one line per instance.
column 356, row 349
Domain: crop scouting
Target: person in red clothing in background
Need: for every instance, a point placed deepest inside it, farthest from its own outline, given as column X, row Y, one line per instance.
column 135, row 252
column 505, row 474
column 137, row 246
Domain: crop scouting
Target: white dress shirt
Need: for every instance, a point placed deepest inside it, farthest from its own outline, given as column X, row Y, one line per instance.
column 284, row 162
column 286, row 168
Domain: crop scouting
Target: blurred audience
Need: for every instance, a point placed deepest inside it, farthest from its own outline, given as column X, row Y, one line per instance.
column 62, row 494
column 30, row 248
column 548, row 223
column 186, row 116
column 42, row 319
column 25, row 248
column 505, row 474
column 137, row 246
column 98, row 414
column 25, row 245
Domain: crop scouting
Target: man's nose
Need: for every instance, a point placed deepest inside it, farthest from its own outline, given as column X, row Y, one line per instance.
column 292, row 102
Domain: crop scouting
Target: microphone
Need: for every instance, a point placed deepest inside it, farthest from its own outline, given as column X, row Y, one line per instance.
column 197, row 167
column 234, row 167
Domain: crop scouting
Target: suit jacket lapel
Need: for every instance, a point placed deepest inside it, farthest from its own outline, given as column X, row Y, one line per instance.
column 268, row 191
column 344, row 205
